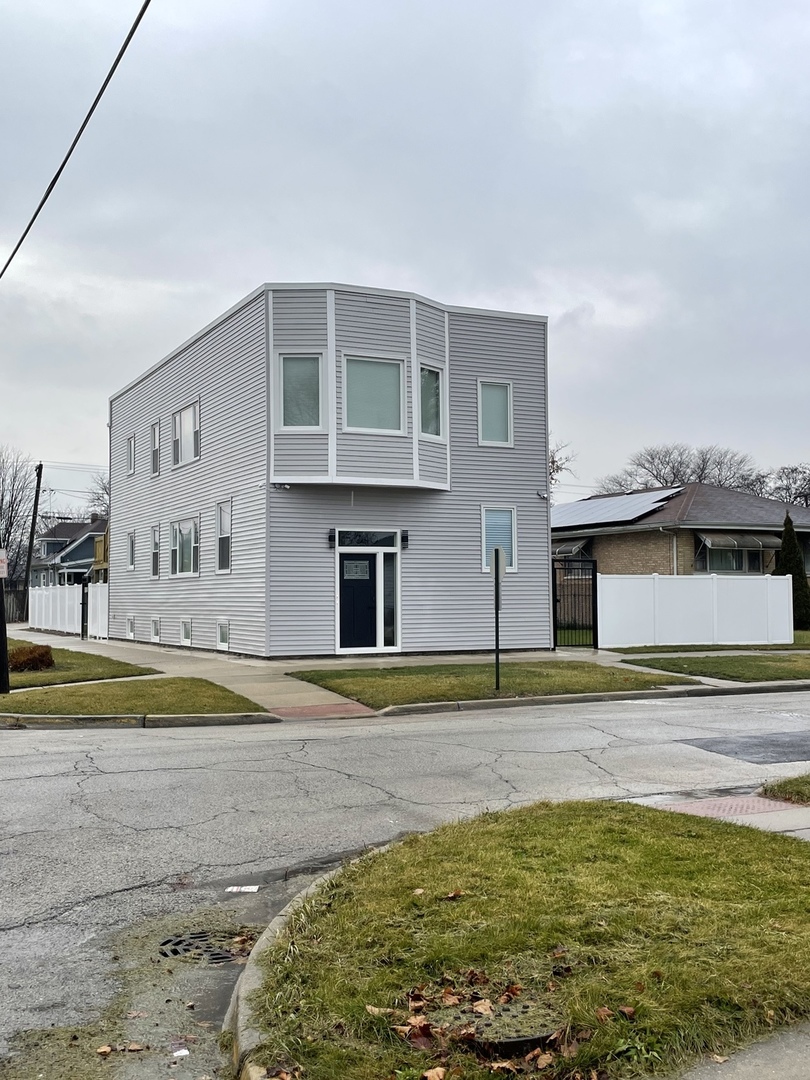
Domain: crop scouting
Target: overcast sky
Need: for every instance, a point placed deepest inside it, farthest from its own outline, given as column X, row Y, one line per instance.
column 635, row 169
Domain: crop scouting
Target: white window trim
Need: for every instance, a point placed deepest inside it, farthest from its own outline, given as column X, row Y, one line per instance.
column 153, row 446
column 425, row 436
column 183, row 642
column 131, row 550
column 152, row 635
column 190, row 404
column 511, row 421
column 382, row 358
column 130, row 455
column 223, row 502
column 220, row 647
column 280, row 356
column 130, row 627
column 510, row 569
column 152, row 573
column 184, row 573
column 379, row 552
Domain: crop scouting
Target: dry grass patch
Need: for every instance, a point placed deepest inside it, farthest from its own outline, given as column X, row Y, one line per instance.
column 164, row 697
column 470, row 682
column 639, row 939
column 70, row 667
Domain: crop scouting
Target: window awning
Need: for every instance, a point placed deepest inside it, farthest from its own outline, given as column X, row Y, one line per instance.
column 746, row 541
column 569, row 547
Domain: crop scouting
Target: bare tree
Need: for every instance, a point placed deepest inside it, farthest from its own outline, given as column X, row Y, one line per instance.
column 98, row 499
column 559, row 461
column 790, row 484
column 17, row 485
column 671, row 464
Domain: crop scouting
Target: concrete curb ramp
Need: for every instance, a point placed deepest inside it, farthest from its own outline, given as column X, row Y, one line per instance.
column 20, row 721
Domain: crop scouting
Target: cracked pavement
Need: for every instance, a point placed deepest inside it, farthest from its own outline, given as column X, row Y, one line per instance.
column 101, row 829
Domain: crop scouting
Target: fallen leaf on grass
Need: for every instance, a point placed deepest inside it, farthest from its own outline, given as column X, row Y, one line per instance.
column 456, row 894
column 418, row 892
column 374, row 1011
column 104, row 1050
column 476, row 978
column 720, row 1060
column 502, row 1066
column 509, row 994
column 136, row 1048
column 449, row 998
column 483, row 1007
column 603, row 1013
column 640, row 987
column 541, row 1059
column 627, row 1011
column 434, row 1074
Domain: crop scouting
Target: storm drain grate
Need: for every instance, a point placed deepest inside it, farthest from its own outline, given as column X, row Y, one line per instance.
column 201, row 946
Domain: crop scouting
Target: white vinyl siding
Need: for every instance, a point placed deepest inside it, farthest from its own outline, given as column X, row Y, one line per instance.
column 301, row 392
column 224, row 537
column 374, row 395
column 185, row 547
column 431, row 401
column 498, row 530
column 494, row 413
column 186, row 434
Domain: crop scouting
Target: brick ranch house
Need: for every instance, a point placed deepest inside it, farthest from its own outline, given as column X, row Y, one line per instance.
column 688, row 529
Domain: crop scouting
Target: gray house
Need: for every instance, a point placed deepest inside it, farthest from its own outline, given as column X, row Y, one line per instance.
column 326, row 469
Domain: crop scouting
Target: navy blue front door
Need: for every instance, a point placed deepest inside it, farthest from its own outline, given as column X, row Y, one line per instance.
column 358, row 601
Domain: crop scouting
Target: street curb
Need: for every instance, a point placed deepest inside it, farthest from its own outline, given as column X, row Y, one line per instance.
column 28, row 721
column 612, row 695
column 239, row 1017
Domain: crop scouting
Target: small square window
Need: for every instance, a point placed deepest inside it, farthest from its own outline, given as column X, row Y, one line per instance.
column 373, row 395
column 498, row 529
column 185, row 631
column 154, row 634
column 301, row 391
column 223, row 537
column 186, row 434
column 494, row 413
column 223, row 635
column 131, row 551
column 131, row 455
column 155, row 448
column 130, row 627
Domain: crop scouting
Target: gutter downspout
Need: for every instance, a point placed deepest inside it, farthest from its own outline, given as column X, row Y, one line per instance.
column 661, row 529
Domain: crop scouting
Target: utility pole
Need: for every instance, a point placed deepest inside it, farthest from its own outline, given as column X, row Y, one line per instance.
column 31, row 537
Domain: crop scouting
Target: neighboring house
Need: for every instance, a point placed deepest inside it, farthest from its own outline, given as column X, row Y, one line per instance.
column 326, row 469
column 100, row 570
column 66, row 552
column 689, row 529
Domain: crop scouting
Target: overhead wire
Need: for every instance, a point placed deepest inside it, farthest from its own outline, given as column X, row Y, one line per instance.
column 78, row 136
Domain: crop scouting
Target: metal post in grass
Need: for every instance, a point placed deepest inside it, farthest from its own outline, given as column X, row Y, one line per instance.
column 498, row 570
column 5, row 688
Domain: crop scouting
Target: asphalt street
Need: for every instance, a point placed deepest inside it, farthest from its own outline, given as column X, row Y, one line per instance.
column 101, row 829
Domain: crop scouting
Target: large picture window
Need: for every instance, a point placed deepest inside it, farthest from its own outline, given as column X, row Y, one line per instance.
column 373, row 395
column 186, row 434
column 301, row 391
column 494, row 413
column 498, row 530
column 430, row 401
column 185, row 547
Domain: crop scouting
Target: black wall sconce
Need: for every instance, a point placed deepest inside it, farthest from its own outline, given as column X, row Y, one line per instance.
column 331, row 535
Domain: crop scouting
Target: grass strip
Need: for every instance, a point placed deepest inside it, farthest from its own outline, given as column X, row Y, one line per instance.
column 747, row 668
column 801, row 640
column 71, row 666
column 638, row 939
column 795, row 789
column 471, row 682
column 165, row 697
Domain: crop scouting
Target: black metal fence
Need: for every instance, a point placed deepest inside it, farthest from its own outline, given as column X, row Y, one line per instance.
column 574, row 587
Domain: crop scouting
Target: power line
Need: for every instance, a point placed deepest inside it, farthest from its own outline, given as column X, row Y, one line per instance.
column 79, row 134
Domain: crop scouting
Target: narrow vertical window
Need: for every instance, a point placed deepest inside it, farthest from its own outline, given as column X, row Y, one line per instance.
column 186, row 434
column 155, row 630
column 155, row 448
column 155, row 551
column 223, row 536
column 131, row 551
column 185, row 631
column 301, row 391
column 131, row 455
column 223, row 635
column 430, row 399
column 130, row 627
column 498, row 527
column 494, row 413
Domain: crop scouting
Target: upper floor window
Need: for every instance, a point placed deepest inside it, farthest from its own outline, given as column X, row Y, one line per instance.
column 186, row 434
column 223, row 536
column 494, row 413
column 131, row 551
column 373, row 396
column 301, row 391
column 430, row 401
column 498, row 530
column 155, row 551
column 155, row 448
column 185, row 547
column 131, row 454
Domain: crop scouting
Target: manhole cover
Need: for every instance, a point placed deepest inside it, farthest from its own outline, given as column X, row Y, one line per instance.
column 201, row 946
column 516, row 1027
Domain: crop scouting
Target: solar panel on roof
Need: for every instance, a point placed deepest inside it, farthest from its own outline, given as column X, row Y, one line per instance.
column 614, row 508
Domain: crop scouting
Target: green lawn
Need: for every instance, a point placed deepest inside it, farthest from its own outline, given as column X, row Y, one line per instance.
column 572, row 636
column 156, row 696
column 793, row 789
column 749, row 668
column 70, row 667
column 465, row 682
column 636, row 939
column 801, row 640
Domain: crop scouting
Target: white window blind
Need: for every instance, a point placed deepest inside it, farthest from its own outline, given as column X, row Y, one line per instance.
column 499, row 531
column 374, row 394
column 301, row 391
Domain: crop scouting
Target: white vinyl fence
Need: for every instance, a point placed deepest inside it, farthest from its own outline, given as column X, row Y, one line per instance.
column 711, row 609
column 59, row 607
